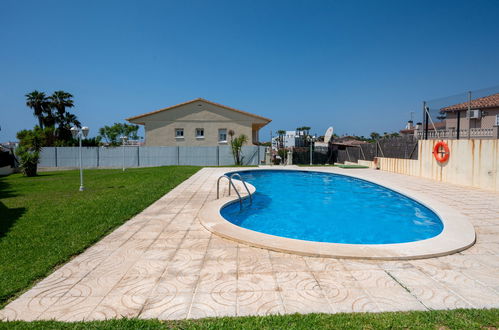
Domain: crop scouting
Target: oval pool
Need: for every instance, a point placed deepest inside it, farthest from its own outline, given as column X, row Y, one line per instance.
column 333, row 208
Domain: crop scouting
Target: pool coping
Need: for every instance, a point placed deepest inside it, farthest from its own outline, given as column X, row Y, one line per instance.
column 458, row 233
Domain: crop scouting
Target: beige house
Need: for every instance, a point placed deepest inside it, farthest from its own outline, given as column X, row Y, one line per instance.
column 198, row 123
column 484, row 113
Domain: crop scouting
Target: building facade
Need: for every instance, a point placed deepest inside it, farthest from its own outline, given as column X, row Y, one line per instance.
column 484, row 114
column 198, row 123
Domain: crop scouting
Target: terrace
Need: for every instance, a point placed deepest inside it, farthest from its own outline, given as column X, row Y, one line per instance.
column 164, row 264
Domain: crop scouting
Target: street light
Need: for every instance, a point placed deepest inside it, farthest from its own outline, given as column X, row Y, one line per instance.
column 123, row 141
column 311, row 140
column 80, row 133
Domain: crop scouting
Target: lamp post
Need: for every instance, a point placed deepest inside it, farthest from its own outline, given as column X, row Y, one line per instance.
column 80, row 133
column 311, row 140
column 123, row 141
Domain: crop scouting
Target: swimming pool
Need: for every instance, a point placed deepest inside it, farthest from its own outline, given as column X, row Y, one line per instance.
column 456, row 231
column 332, row 208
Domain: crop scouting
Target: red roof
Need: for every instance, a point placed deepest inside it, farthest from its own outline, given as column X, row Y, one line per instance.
column 491, row 101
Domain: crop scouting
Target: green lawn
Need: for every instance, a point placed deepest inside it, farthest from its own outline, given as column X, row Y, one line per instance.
column 456, row 319
column 45, row 220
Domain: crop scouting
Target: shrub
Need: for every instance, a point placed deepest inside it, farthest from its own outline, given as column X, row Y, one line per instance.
column 28, row 160
column 30, row 144
column 237, row 144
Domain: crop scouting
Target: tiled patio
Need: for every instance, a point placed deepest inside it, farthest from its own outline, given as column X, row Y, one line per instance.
column 164, row 264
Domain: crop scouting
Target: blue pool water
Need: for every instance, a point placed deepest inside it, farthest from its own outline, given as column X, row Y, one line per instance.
column 333, row 208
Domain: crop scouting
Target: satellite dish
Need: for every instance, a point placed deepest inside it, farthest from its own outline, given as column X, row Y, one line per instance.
column 328, row 135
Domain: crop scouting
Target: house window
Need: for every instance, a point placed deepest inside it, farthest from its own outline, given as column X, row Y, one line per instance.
column 199, row 133
column 179, row 133
column 497, row 120
column 222, row 135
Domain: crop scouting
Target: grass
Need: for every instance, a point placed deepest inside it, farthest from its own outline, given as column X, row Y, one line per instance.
column 45, row 220
column 456, row 319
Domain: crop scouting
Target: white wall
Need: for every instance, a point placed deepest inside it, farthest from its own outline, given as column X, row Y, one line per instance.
column 471, row 163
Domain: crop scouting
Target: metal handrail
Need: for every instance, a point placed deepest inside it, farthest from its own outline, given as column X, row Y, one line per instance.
column 231, row 184
column 244, row 184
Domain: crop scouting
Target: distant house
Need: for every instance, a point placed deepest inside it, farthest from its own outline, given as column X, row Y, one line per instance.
column 291, row 139
column 410, row 129
column 198, row 123
column 484, row 113
column 348, row 140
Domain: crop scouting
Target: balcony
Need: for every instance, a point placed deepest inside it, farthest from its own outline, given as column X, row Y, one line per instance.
column 473, row 133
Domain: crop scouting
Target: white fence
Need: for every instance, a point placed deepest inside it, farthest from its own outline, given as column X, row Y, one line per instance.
column 105, row 157
column 473, row 133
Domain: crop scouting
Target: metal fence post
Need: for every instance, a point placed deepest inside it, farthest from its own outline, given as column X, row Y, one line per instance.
column 458, row 124
column 218, row 155
column 425, row 120
column 138, row 156
column 468, row 115
column 178, row 155
column 55, row 154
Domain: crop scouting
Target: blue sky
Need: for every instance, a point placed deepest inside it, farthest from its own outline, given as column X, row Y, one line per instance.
column 360, row 66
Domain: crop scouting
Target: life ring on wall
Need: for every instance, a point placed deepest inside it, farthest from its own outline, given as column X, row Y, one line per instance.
column 440, row 156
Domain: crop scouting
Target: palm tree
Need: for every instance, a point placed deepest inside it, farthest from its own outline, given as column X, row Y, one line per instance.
column 40, row 104
column 237, row 144
column 65, row 122
column 60, row 100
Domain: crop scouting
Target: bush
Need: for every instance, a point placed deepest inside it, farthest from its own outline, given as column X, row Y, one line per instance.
column 236, row 145
column 30, row 144
column 28, row 160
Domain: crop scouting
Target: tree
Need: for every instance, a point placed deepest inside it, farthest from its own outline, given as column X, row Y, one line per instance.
column 304, row 129
column 374, row 136
column 40, row 104
column 30, row 144
column 52, row 112
column 65, row 123
column 113, row 133
column 236, row 145
column 59, row 102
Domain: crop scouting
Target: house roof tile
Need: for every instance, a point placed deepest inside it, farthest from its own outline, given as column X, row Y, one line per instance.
column 491, row 101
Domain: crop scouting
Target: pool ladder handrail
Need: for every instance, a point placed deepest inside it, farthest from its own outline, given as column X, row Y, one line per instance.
column 231, row 184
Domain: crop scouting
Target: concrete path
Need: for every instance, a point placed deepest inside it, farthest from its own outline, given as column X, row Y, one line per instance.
column 164, row 264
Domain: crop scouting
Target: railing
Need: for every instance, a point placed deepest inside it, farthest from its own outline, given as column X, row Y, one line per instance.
column 452, row 133
column 244, row 184
column 231, row 184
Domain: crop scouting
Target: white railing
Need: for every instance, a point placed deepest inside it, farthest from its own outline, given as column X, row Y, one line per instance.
column 452, row 133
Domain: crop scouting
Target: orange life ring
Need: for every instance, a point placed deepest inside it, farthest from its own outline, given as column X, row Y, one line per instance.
column 440, row 156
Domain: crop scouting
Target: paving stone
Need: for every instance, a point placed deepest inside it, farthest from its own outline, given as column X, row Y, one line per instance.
column 164, row 264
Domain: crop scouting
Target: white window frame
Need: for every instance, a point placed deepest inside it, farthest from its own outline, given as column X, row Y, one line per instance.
column 199, row 136
column 177, row 135
column 220, row 134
